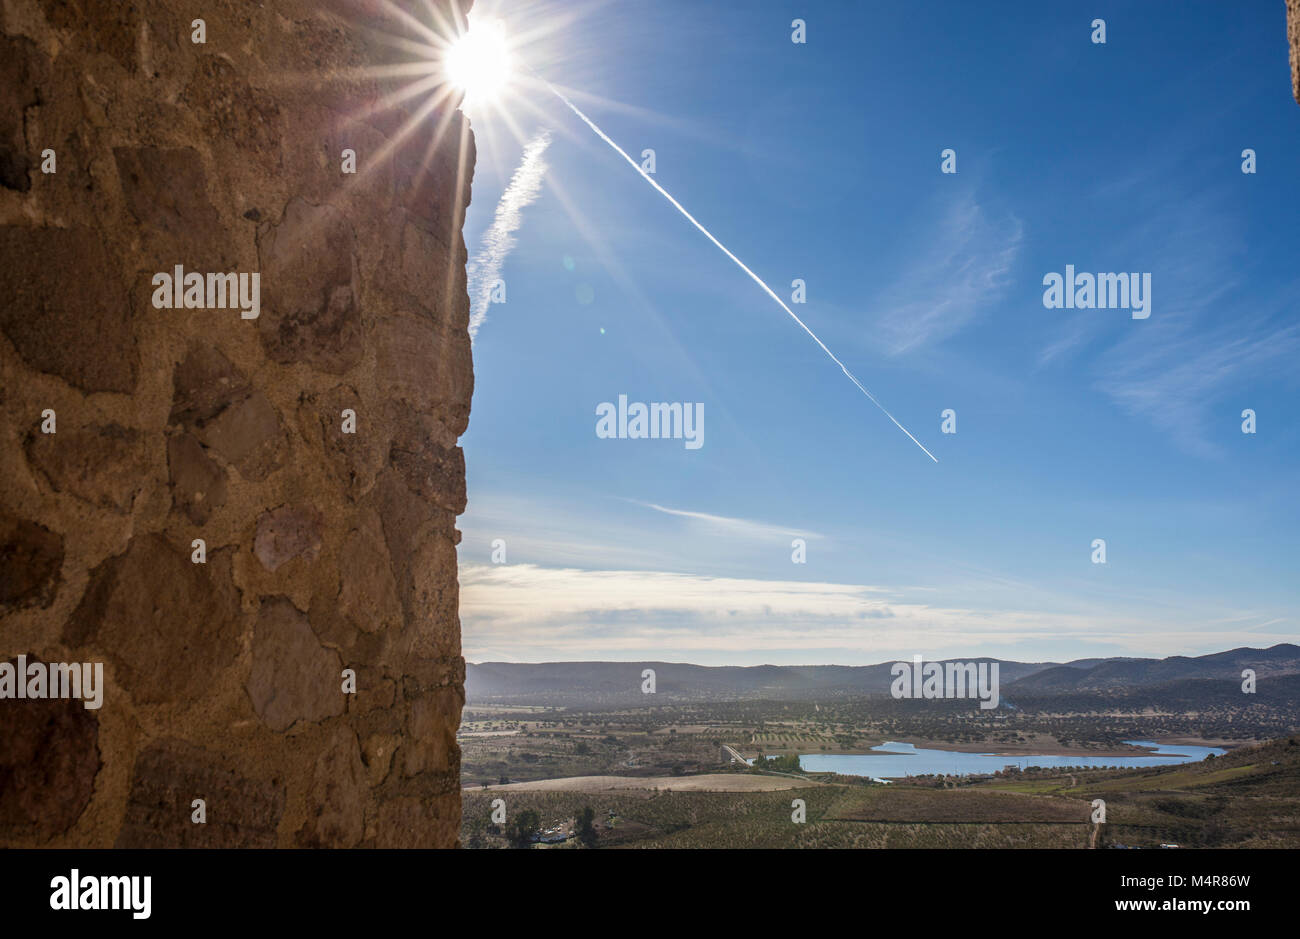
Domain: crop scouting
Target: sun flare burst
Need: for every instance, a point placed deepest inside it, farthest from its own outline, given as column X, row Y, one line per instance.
column 479, row 63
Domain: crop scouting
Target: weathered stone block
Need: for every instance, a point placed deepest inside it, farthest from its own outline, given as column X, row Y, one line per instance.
column 49, row 755
column 198, row 482
column 406, row 355
column 168, row 776
column 106, row 465
column 204, row 384
column 353, row 459
column 427, row 183
column 293, row 677
column 430, row 741
column 109, row 28
column 415, row 823
column 22, row 70
column 248, row 435
column 337, row 795
column 167, row 625
column 166, row 190
column 310, row 304
column 247, row 117
column 368, row 591
column 288, row 532
column 437, row 473
column 75, row 327
column 31, row 558
column 378, row 755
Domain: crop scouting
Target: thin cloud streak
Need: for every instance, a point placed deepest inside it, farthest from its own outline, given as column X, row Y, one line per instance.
column 738, row 526
column 739, row 263
column 484, row 269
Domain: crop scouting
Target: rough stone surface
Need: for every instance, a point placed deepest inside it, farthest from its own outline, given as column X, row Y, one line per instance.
column 431, row 733
column 105, row 465
column 198, row 482
column 293, row 677
column 1293, row 34
column 49, row 756
column 291, row 531
column 337, row 795
column 239, row 812
column 407, row 822
column 429, row 469
column 115, row 25
column 21, row 68
column 311, row 314
column 166, row 192
column 76, row 327
column 31, row 557
column 200, row 522
column 248, row 117
column 167, row 625
column 368, row 592
column 353, row 459
column 204, row 384
column 248, row 436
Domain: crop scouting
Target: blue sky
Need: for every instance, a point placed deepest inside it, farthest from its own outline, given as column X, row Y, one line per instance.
column 821, row 161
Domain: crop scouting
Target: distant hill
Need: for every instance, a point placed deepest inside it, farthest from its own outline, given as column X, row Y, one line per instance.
column 1129, row 674
column 619, row 683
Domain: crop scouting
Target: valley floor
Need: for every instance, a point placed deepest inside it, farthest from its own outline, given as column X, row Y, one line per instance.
column 1247, row 798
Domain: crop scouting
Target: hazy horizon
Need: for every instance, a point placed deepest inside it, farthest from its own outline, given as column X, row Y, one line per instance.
column 967, row 657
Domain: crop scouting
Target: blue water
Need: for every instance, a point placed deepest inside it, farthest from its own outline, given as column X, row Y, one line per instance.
column 894, row 760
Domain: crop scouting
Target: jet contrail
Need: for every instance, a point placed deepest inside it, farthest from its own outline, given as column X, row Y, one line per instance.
column 497, row 241
column 739, row 263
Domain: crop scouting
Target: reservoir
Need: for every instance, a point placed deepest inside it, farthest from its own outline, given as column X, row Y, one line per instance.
column 893, row 760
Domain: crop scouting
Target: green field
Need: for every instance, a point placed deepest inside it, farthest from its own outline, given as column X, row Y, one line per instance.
column 1249, row 797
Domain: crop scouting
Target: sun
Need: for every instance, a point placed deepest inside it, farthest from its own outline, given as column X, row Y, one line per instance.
column 479, row 63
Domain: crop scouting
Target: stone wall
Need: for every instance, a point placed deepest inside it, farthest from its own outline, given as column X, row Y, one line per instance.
column 1293, row 34
column 323, row 550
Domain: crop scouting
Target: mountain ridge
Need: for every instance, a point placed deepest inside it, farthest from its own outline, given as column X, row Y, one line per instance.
column 621, row 681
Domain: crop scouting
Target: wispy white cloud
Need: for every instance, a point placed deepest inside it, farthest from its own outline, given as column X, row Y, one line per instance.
column 740, row 527
column 484, row 269
column 1073, row 335
column 964, row 270
column 1211, row 330
column 583, row 530
column 1175, row 384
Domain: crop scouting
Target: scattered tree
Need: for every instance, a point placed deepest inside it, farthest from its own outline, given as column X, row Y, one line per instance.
column 585, row 830
column 524, row 827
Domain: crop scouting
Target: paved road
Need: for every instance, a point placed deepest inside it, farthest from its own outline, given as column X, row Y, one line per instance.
column 740, row 760
column 735, row 755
